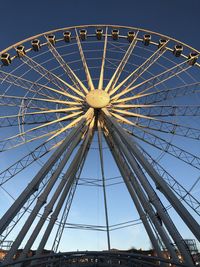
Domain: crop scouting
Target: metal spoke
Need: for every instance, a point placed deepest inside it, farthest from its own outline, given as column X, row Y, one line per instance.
column 171, row 93
column 132, row 114
column 89, row 114
column 33, row 86
column 17, row 101
column 136, row 74
column 121, row 119
column 61, row 110
column 161, row 125
column 162, row 110
column 87, row 72
column 156, row 80
column 101, row 78
column 34, row 118
column 25, row 84
column 48, row 75
column 31, row 119
column 68, row 71
column 166, row 146
column 20, row 135
column 14, row 143
column 114, row 79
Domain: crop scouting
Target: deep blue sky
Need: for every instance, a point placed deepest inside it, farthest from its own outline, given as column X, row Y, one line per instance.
column 20, row 19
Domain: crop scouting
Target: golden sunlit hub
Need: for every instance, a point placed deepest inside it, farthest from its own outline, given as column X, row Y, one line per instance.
column 97, row 99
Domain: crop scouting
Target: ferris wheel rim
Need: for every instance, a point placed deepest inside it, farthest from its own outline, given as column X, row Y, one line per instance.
column 111, row 118
column 96, row 25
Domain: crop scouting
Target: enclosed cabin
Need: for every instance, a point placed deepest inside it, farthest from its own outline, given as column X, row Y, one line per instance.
column 5, row 59
column 193, row 56
column 146, row 39
column 51, row 39
column 99, row 33
column 115, row 34
column 162, row 43
column 67, row 36
column 21, row 51
column 35, row 45
column 83, row 34
column 178, row 49
column 130, row 36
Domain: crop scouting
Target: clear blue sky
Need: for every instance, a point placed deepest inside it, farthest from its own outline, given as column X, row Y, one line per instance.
column 20, row 19
column 178, row 19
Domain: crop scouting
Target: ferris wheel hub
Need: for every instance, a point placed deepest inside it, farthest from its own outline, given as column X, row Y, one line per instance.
column 98, row 98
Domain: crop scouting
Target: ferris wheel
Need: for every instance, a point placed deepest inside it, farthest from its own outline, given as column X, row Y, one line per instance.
column 129, row 95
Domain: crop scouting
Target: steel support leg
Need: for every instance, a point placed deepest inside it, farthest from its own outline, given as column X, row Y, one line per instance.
column 40, row 202
column 156, row 202
column 34, row 184
column 159, row 181
column 126, row 172
column 69, row 177
column 153, row 197
column 149, row 209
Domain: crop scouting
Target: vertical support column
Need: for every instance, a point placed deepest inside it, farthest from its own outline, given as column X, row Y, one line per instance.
column 103, row 179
